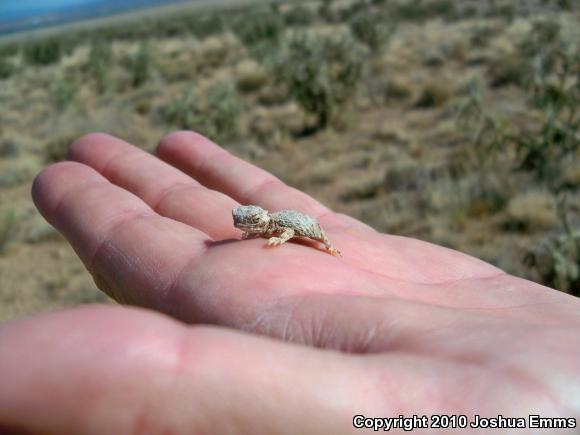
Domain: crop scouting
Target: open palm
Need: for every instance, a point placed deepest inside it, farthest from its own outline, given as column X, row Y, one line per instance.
column 422, row 329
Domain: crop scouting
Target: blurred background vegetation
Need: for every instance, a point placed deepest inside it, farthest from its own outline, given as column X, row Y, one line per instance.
column 455, row 122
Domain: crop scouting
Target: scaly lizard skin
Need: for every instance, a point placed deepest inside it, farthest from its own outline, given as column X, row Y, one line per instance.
column 280, row 226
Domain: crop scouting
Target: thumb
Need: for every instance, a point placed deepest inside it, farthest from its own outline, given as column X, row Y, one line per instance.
column 118, row 370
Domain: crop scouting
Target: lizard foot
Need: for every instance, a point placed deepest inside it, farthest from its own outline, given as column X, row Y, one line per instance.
column 275, row 241
column 335, row 252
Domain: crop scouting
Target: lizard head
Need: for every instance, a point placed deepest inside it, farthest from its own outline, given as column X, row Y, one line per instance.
column 251, row 218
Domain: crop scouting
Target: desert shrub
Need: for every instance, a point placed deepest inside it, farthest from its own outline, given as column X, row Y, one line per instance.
column 62, row 93
column 482, row 35
column 8, row 147
column 326, row 11
column 321, row 73
column 43, row 51
column 505, row 11
column 484, row 131
column 372, row 29
column 214, row 113
column 140, row 65
column 419, row 10
column 57, row 148
column 99, row 63
column 180, row 112
column 346, row 12
column 259, row 28
column 432, row 95
column 543, row 149
column 554, row 88
column 543, row 39
column 407, row 176
column 7, row 50
column 9, row 226
column 172, row 27
column 556, row 262
column 7, row 68
column 207, row 25
column 487, row 195
column 299, row 16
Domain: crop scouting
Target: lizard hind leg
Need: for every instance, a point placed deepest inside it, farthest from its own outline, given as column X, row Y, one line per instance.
column 284, row 236
column 331, row 249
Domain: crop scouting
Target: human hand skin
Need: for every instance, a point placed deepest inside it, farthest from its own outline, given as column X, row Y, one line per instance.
column 293, row 339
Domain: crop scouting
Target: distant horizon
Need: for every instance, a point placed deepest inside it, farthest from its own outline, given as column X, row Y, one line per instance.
column 26, row 15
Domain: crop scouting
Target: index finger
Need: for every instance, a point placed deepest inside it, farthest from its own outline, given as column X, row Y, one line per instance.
column 218, row 169
column 133, row 253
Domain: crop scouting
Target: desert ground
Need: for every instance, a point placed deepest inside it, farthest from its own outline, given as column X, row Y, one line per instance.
column 451, row 122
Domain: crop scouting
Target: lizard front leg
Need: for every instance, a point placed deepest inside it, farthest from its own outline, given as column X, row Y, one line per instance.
column 284, row 236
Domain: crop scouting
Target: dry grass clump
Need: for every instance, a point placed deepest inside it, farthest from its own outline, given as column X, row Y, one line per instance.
column 57, row 148
column 251, row 76
column 433, row 94
column 530, row 212
column 17, row 170
column 216, row 51
column 9, row 227
column 507, row 70
column 398, row 89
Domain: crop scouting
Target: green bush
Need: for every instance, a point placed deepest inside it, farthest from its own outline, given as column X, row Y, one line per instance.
column 7, row 68
column 556, row 261
column 214, row 113
column 481, row 36
column 9, row 148
column 326, row 11
column 62, row 93
column 546, row 147
column 299, row 16
column 321, row 73
column 99, row 63
column 207, row 25
column 372, row 29
column 420, row 10
column 259, row 28
column 43, row 52
column 141, row 65
column 7, row 50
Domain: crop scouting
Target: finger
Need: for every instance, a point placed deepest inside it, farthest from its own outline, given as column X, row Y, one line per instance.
column 118, row 370
column 133, row 253
column 165, row 189
column 217, row 169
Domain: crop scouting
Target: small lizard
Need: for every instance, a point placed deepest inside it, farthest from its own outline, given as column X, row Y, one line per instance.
column 279, row 226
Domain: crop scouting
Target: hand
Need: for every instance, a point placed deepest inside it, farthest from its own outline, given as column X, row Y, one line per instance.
column 421, row 329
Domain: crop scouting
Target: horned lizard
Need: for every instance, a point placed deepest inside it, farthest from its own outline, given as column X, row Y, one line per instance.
column 279, row 226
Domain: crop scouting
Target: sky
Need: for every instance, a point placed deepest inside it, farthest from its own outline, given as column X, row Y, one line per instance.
column 14, row 9
column 18, row 15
